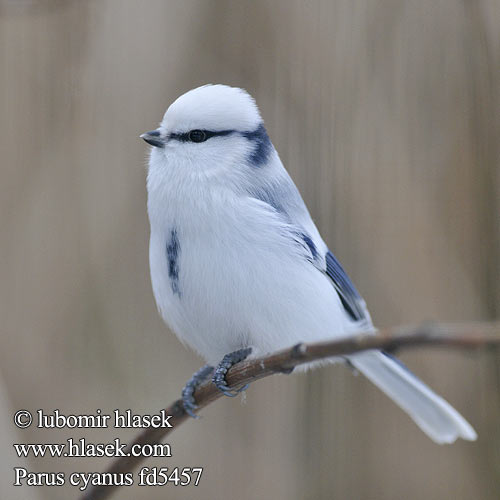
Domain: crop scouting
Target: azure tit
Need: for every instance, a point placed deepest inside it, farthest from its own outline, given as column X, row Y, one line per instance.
column 238, row 267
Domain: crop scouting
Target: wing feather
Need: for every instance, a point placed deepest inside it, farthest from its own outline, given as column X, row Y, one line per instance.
column 280, row 193
column 350, row 297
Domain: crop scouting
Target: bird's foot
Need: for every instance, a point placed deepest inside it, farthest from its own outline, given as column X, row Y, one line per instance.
column 188, row 391
column 219, row 377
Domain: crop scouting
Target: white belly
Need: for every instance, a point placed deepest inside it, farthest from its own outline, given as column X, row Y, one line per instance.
column 240, row 282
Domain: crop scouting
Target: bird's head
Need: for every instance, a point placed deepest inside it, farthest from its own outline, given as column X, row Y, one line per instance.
column 213, row 129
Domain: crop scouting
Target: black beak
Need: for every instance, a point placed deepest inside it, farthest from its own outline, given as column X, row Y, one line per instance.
column 154, row 138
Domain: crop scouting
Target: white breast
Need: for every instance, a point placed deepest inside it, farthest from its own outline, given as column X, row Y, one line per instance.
column 239, row 279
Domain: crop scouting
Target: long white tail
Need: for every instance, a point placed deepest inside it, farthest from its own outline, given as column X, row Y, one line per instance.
column 438, row 419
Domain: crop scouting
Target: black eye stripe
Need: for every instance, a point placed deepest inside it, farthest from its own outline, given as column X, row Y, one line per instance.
column 184, row 137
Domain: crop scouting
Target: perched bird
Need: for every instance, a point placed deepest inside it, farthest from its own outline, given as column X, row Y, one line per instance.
column 238, row 267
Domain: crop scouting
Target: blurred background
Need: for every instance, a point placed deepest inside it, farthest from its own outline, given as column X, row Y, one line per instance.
column 385, row 113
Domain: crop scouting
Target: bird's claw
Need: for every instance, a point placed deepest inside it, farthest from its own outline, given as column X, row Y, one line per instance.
column 219, row 377
column 188, row 392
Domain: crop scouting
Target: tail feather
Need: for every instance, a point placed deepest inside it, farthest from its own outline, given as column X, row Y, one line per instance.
column 437, row 418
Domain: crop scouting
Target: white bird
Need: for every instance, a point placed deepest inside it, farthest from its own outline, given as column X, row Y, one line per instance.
column 238, row 266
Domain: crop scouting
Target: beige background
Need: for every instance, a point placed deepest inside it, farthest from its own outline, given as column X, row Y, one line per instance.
column 386, row 114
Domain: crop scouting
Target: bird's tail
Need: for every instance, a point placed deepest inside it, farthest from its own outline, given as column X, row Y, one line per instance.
column 438, row 419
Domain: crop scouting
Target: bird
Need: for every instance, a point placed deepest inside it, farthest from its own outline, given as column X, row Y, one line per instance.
column 238, row 267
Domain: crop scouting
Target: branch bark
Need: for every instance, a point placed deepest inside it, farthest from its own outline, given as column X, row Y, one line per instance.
column 462, row 336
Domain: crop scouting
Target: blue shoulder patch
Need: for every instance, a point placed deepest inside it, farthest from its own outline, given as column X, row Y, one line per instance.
column 173, row 250
column 310, row 244
column 262, row 145
column 349, row 296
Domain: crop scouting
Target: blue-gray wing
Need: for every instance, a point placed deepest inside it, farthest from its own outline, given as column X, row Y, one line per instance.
column 279, row 192
column 349, row 296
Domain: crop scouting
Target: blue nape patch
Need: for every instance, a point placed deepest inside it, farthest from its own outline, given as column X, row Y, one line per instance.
column 349, row 296
column 173, row 250
column 262, row 145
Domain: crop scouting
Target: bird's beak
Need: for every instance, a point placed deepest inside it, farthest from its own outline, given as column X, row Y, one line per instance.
column 154, row 138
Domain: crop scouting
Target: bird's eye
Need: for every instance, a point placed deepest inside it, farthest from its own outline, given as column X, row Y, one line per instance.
column 197, row 136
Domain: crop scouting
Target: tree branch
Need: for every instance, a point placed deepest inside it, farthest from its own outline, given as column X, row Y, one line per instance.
column 463, row 336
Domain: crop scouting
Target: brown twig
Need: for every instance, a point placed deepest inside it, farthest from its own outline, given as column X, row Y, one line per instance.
column 469, row 336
